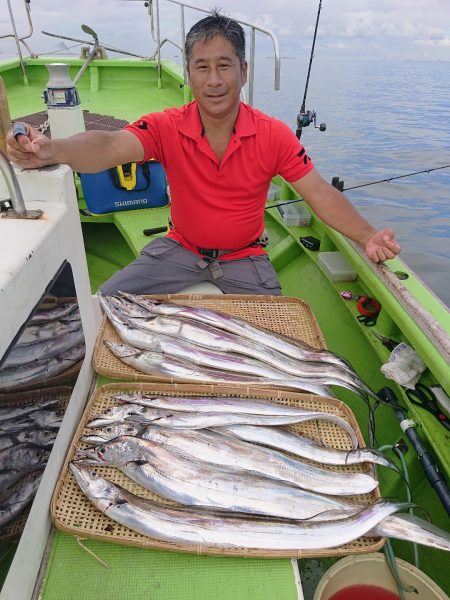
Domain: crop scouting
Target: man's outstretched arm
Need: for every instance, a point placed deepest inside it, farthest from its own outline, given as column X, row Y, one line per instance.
column 335, row 210
column 87, row 152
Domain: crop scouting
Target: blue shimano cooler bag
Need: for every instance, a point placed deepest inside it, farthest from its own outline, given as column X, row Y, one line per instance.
column 126, row 187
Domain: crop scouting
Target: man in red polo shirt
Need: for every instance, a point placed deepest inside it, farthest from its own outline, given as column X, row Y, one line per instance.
column 219, row 156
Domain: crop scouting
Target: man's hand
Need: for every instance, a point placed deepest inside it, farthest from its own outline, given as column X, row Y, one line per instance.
column 381, row 245
column 31, row 150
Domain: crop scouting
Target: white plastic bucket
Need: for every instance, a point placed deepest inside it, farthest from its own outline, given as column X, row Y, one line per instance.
column 372, row 569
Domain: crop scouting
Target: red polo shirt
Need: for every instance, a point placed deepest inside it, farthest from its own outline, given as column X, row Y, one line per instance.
column 220, row 205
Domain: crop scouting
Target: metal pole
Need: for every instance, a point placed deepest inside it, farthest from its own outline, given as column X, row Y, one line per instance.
column 251, row 62
column 158, row 48
column 12, row 184
column 16, row 37
column 183, row 42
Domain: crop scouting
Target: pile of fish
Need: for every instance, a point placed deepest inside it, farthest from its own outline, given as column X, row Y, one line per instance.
column 27, row 434
column 179, row 342
column 52, row 342
column 235, row 484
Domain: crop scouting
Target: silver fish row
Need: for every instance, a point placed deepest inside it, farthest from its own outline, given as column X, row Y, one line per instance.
column 184, row 478
column 210, row 346
column 172, row 416
column 187, row 526
column 39, row 370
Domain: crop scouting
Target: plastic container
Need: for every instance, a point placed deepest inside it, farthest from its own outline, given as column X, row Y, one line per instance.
column 337, row 266
column 372, row 569
column 274, row 192
column 295, row 214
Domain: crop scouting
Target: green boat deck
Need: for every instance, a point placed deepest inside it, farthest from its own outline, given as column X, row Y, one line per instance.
column 139, row 573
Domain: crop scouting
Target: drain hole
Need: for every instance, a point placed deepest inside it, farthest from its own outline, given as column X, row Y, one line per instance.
column 401, row 275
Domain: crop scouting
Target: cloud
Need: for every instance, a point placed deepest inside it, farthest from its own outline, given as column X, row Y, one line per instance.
column 392, row 26
column 440, row 43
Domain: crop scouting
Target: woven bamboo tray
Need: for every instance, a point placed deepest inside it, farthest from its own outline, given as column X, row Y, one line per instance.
column 288, row 316
column 62, row 393
column 72, row 511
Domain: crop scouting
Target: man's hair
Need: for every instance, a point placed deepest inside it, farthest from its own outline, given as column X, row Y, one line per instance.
column 216, row 24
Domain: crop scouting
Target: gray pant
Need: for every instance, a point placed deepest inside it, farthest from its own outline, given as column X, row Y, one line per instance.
column 165, row 267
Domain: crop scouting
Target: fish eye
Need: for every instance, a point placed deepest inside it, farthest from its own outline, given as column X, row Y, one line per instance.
column 109, row 429
column 130, row 428
column 94, row 474
column 101, row 450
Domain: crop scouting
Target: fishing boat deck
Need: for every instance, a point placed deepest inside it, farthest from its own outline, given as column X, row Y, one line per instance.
column 99, row 87
column 137, row 572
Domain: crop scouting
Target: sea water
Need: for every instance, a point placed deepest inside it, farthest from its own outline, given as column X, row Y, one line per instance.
column 384, row 119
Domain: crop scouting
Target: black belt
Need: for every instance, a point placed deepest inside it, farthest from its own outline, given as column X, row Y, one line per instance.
column 209, row 253
column 262, row 240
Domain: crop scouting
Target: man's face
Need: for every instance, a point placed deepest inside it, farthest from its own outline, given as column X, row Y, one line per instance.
column 216, row 77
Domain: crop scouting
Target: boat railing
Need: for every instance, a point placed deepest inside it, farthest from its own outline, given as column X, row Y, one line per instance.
column 12, row 184
column 155, row 30
column 20, row 39
column 154, row 13
column 17, row 210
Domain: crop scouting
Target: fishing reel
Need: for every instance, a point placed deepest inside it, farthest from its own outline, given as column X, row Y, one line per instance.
column 305, row 118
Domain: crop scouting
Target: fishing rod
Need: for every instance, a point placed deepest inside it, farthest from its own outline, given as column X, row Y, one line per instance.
column 339, row 184
column 429, row 466
column 305, row 118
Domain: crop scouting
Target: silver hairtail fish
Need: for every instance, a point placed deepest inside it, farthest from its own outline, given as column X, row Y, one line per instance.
column 210, row 347
column 187, row 526
column 187, row 480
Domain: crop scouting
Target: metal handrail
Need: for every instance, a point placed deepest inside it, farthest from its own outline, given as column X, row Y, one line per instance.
column 157, row 54
column 89, row 43
column 15, row 193
column 253, row 29
column 22, row 38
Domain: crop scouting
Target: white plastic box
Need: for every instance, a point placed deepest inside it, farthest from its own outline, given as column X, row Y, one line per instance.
column 337, row 266
column 295, row 214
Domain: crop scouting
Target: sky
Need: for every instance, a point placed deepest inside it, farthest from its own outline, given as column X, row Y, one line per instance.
column 357, row 29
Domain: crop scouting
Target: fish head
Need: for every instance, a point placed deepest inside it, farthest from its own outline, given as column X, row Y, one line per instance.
column 112, row 414
column 94, row 438
column 110, row 309
column 122, row 350
column 23, row 454
column 87, row 456
column 38, row 455
column 45, row 437
column 129, row 399
column 114, row 453
column 128, row 308
column 147, row 414
column 152, row 305
column 109, row 432
column 123, row 398
column 99, row 490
